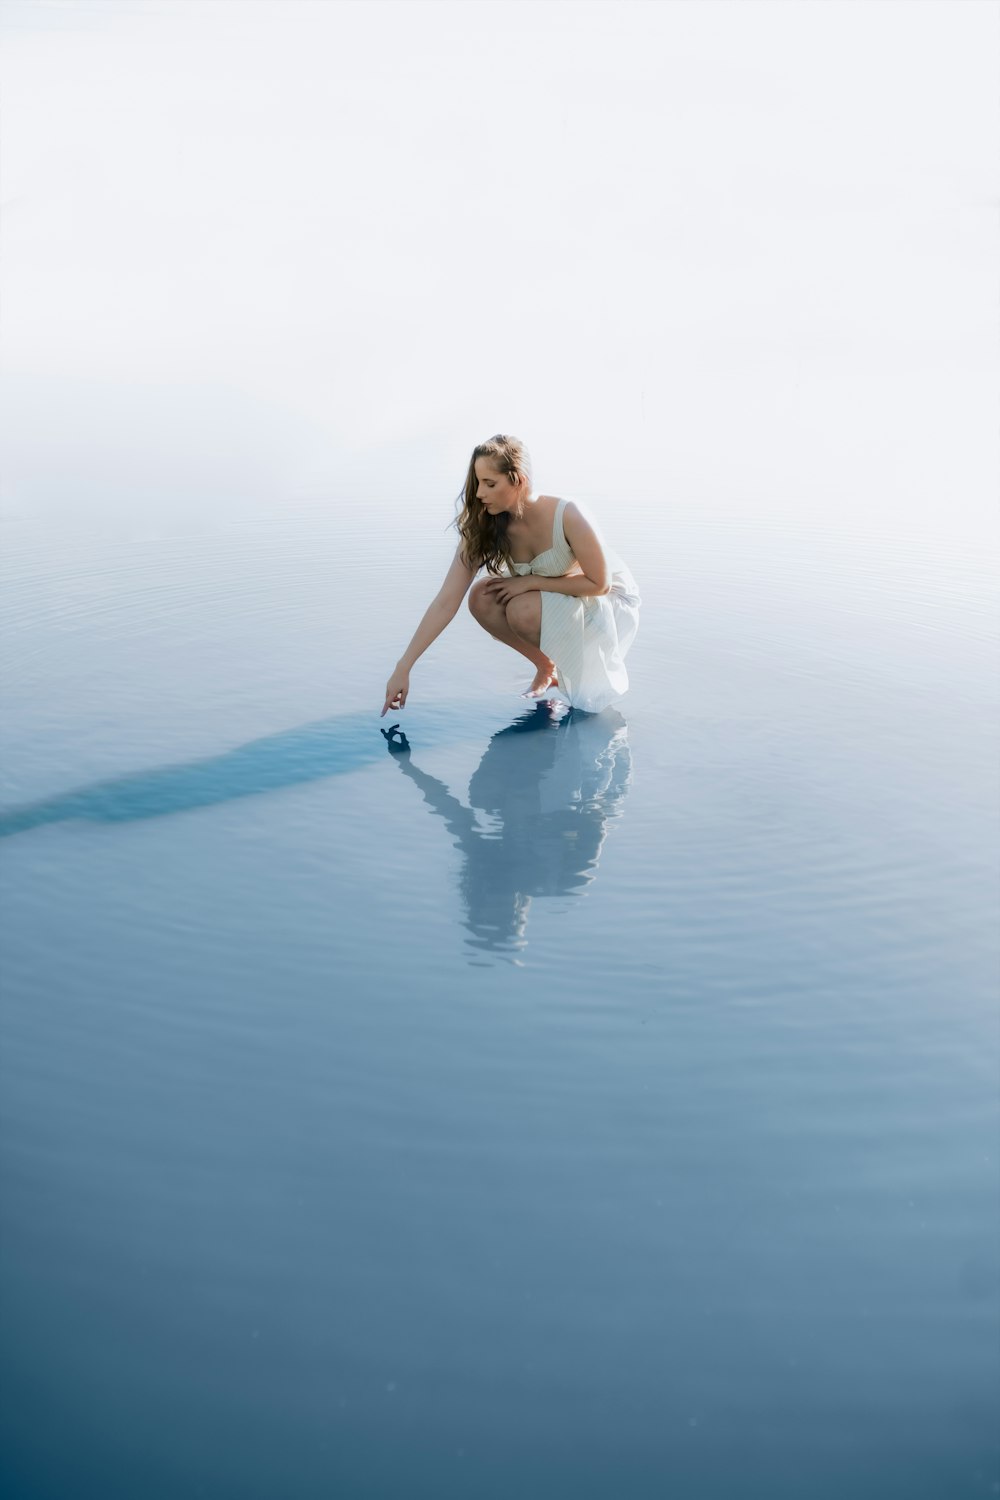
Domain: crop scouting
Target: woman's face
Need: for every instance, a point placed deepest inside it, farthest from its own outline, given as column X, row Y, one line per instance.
column 495, row 491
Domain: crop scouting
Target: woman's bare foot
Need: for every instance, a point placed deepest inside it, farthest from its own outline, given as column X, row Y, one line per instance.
column 545, row 678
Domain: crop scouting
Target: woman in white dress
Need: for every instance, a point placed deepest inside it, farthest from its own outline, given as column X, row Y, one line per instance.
column 554, row 591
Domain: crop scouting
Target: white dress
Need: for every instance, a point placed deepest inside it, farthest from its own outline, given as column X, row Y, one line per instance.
column 587, row 638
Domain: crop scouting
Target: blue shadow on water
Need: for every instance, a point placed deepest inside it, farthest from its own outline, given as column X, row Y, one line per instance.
column 311, row 752
column 328, row 747
column 540, row 799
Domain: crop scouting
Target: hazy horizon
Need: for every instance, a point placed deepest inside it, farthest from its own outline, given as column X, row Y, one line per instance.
column 733, row 256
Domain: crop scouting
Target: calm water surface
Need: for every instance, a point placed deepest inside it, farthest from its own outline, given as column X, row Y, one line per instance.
column 566, row 1107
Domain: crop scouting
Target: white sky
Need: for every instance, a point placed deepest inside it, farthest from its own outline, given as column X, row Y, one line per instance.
column 724, row 253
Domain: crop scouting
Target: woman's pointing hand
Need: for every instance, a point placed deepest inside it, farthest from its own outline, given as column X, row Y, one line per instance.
column 396, row 690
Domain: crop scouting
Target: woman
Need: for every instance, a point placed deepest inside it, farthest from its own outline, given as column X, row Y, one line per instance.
column 554, row 593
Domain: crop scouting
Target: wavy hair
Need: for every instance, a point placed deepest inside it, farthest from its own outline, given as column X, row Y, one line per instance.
column 484, row 537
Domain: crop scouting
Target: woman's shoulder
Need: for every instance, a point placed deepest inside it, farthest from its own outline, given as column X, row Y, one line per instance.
column 568, row 502
column 553, row 503
column 576, row 510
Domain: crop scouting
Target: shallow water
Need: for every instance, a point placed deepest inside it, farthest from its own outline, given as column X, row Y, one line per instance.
column 562, row 1106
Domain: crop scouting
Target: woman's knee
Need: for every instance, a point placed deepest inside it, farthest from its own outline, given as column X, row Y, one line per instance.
column 480, row 602
column 484, row 607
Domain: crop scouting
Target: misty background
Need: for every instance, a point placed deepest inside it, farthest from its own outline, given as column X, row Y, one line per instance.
column 738, row 258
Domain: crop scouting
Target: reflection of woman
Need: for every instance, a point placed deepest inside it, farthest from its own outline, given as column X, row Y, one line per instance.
column 555, row 592
column 547, row 789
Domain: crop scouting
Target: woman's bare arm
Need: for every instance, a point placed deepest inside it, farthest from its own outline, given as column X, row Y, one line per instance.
column 440, row 612
column 589, row 553
column 504, row 589
column 578, row 584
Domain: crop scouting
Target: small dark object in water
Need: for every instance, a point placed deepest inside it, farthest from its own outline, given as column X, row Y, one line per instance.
column 396, row 747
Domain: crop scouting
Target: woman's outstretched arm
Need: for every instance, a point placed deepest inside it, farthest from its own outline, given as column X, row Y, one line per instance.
column 440, row 612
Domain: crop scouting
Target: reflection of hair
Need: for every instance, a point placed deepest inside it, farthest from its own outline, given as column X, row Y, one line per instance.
column 484, row 537
column 496, row 915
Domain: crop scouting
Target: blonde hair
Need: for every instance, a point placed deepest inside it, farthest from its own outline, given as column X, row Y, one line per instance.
column 484, row 537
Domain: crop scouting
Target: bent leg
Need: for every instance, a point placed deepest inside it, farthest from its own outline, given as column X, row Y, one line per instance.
column 524, row 617
column 494, row 619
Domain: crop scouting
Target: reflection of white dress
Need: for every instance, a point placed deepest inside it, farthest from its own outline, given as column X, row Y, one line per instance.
column 587, row 638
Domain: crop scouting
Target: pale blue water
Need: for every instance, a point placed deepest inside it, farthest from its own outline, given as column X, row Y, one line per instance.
column 566, row 1108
